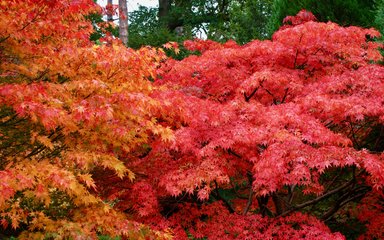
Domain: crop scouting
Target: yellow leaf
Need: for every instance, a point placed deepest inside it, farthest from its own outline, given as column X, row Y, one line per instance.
column 131, row 175
column 167, row 135
column 45, row 141
column 115, row 47
column 87, row 179
column 106, row 208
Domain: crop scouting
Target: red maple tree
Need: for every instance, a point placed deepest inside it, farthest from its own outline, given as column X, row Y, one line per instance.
column 265, row 131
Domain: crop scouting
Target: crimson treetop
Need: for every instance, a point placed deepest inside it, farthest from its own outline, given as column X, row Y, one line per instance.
column 284, row 115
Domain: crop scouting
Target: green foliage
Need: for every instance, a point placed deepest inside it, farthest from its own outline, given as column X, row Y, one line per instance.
column 241, row 21
column 145, row 29
column 345, row 13
column 379, row 16
column 248, row 20
column 349, row 226
column 108, row 238
column 97, row 20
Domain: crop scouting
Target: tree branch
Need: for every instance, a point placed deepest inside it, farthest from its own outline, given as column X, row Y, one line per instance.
column 354, row 137
column 230, row 151
column 344, row 200
column 333, row 180
column 297, row 52
column 249, row 202
column 219, row 197
column 247, row 98
column 270, row 93
column 291, row 190
column 285, row 95
column 262, row 201
column 316, row 200
column 4, row 38
column 277, row 202
column 236, row 192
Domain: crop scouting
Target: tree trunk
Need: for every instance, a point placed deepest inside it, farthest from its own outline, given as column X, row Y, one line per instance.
column 164, row 6
column 123, row 21
column 109, row 11
column 166, row 16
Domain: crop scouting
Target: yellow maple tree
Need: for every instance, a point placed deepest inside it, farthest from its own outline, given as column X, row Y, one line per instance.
column 68, row 107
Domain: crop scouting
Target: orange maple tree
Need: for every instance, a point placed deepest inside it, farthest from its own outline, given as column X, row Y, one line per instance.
column 68, row 108
column 267, row 140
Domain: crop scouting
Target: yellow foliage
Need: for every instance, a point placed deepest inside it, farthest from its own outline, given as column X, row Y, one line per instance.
column 70, row 107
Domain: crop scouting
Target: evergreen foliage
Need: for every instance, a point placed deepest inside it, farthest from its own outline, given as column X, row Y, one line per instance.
column 346, row 13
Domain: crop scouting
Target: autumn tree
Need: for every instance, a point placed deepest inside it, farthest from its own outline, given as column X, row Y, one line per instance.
column 273, row 140
column 68, row 108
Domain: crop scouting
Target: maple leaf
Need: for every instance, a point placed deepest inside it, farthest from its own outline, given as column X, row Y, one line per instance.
column 172, row 45
column 301, row 17
column 88, row 180
column 45, row 141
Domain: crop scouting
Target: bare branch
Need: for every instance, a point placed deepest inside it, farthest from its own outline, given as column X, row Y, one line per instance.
column 219, row 197
column 318, row 199
column 285, row 95
column 247, row 98
column 344, row 199
column 249, row 202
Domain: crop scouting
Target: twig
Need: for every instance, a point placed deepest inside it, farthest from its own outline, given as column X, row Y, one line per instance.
column 247, row 98
column 249, row 202
column 285, row 95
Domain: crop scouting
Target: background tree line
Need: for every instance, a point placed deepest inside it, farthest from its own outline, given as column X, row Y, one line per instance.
column 242, row 21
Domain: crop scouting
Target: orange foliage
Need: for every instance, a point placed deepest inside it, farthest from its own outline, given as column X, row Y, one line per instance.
column 68, row 107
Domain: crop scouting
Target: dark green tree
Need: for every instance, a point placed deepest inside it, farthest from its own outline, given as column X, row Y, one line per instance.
column 219, row 20
column 379, row 16
column 248, row 20
column 146, row 29
column 344, row 12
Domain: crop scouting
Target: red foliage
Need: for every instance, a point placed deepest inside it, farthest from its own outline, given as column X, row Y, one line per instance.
column 371, row 212
column 215, row 222
column 302, row 17
column 277, row 121
column 111, row 9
